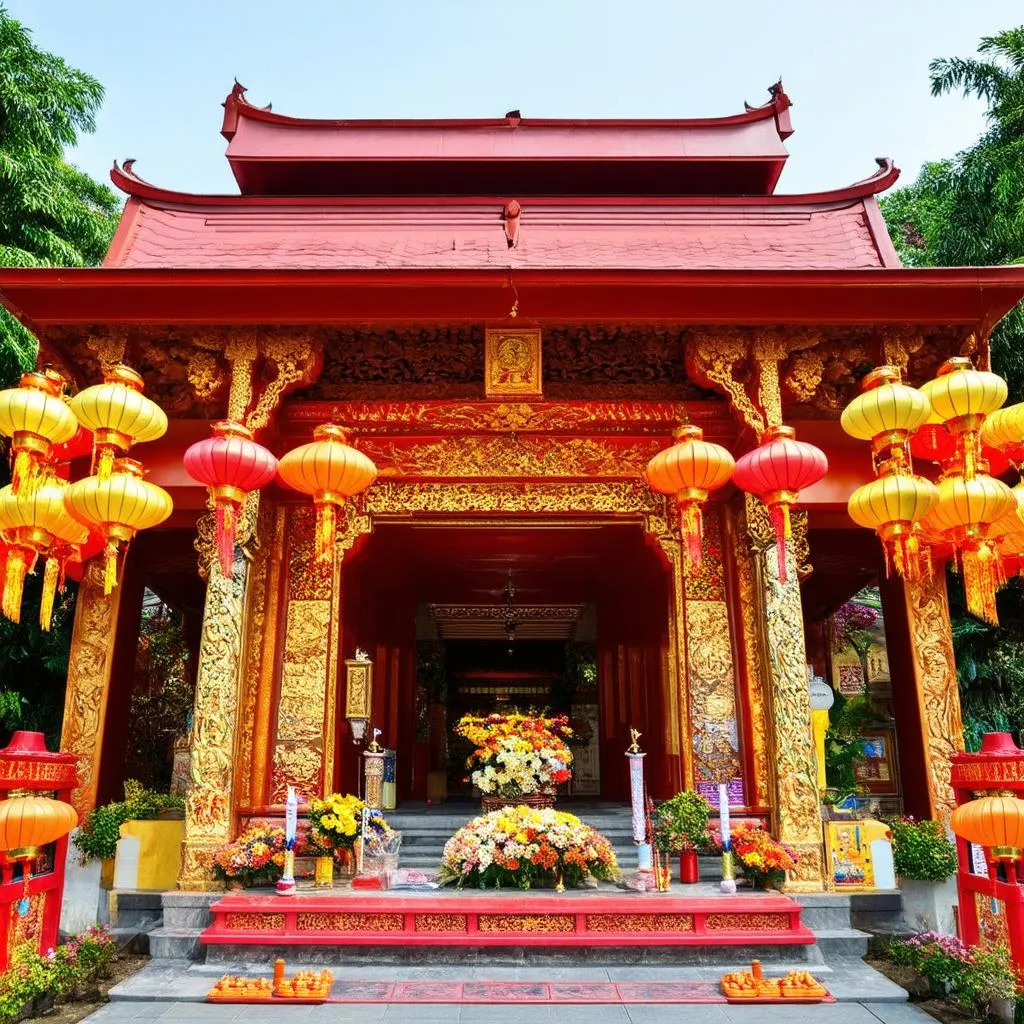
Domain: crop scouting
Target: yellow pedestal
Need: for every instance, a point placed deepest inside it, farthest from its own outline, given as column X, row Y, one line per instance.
column 159, row 852
column 819, row 724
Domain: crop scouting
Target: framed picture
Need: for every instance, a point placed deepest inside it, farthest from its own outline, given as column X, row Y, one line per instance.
column 878, row 770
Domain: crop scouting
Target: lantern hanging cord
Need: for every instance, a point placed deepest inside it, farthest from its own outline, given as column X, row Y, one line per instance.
column 514, row 311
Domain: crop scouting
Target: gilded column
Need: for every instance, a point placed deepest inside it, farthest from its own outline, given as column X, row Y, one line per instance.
column 710, row 674
column 794, row 781
column 208, row 803
column 938, row 695
column 85, row 700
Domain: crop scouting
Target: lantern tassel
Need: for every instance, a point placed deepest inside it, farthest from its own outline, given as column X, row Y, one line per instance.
column 23, row 473
column 691, row 524
column 15, row 568
column 779, row 515
column 109, row 568
column 226, row 526
column 326, row 530
column 982, row 578
column 104, row 463
column 51, row 577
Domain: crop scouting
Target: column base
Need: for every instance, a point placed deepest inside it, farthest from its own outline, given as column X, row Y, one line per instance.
column 196, row 874
column 809, row 874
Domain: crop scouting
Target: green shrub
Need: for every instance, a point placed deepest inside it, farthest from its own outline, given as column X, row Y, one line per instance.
column 681, row 823
column 98, row 836
column 922, row 851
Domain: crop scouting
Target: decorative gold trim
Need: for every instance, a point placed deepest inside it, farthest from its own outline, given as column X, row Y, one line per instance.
column 512, row 363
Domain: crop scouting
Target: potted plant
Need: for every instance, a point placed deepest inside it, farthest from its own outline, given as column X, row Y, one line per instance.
column 925, row 861
column 681, row 826
column 517, row 758
column 335, row 827
column 98, row 836
column 765, row 860
column 254, row 860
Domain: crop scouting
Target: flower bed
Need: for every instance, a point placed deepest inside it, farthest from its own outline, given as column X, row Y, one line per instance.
column 520, row 847
column 517, row 754
column 35, row 981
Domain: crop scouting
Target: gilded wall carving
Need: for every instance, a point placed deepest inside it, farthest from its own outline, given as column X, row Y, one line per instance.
column 208, row 809
column 794, row 778
column 85, row 701
column 932, row 643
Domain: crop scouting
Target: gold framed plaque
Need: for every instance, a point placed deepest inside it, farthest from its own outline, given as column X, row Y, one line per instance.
column 512, row 363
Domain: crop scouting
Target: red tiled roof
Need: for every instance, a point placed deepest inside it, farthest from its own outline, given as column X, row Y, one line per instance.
column 363, row 235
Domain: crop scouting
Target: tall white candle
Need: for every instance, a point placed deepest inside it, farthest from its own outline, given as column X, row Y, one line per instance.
column 723, row 813
column 636, row 795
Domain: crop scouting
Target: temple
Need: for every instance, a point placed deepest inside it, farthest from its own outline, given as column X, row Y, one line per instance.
column 511, row 318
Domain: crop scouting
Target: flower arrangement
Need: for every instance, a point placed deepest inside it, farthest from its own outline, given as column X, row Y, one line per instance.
column 921, row 850
column 55, row 975
column 255, row 858
column 681, row 824
column 523, row 846
column 765, row 860
column 517, row 754
column 335, row 821
column 971, row 975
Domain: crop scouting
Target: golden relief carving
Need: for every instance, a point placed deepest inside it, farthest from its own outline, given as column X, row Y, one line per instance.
column 639, row 922
column 88, row 681
column 342, row 922
column 254, row 922
column 721, row 360
column 241, row 352
column 108, row 348
column 295, row 358
column 753, row 691
column 512, row 455
column 440, row 922
column 512, row 363
column 794, row 778
column 526, row 923
column 208, row 811
column 747, row 922
column 769, row 350
column 932, row 644
column 27, row 928
column 417, row 418
column 393, row 497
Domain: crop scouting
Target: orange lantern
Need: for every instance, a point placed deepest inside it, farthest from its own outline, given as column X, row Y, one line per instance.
column 332, row 471
column 689, row 470
column 119, row 415
column 28, row 823
column 995, row 822
column 36, row 525
column 886, row 413
column 117, row 508
column 962, row 397
column 35, row 417
column 964, row 514
column 892, row 505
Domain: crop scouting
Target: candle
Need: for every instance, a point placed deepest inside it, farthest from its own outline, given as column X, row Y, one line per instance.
column 291, row 818
column 723, row 813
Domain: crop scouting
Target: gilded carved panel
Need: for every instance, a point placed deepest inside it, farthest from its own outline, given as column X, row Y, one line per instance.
column 512, row 363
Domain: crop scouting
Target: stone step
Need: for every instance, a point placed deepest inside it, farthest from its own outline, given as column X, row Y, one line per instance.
column 175, row 944
column 841, row 943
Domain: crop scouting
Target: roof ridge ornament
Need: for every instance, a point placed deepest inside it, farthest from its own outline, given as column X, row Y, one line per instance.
column 780, row 103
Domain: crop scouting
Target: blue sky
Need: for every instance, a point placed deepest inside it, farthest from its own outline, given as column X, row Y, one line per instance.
column 857, row 72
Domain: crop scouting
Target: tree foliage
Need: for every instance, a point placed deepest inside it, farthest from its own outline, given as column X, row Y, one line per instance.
column 51, row 214
column 969, row 210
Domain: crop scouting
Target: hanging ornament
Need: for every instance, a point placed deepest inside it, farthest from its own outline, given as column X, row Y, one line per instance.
column 232, row 465
column 776, row 472
column 119, row 415
column 689, row 470
column 892, row 505
column 332, row 471
column 962, row 397
column 933, row 442
column 35, row 417
column 36, row 525
column 117, row 508
column 1004, row 431
column 965, row 512
column 29, row 822
column 886, row 413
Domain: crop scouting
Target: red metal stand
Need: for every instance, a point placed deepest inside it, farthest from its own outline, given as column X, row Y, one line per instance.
column 26, row 764
column 991, row 899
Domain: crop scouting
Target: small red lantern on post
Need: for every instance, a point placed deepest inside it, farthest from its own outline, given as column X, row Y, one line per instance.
column 776, row 472
column 232, row 465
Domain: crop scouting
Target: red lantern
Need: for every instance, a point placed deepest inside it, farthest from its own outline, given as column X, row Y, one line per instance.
column 231, row 464
column 776, row 472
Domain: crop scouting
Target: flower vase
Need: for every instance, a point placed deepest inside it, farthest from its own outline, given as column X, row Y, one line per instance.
column 689, row 867
column 347, row 862
column 323, row 873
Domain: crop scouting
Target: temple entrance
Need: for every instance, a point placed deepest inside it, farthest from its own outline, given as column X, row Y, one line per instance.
column 474, row 618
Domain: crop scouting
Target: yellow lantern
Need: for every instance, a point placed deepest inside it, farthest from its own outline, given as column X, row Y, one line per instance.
column 689, row 470
column 117, row 508
column 34, row 525
column 965, row 513
column 1004, row 430
column 34, row 416
column 332, row 471
column 119, row 415
column 886, row 413
column 891, row 506
column 962, row 397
